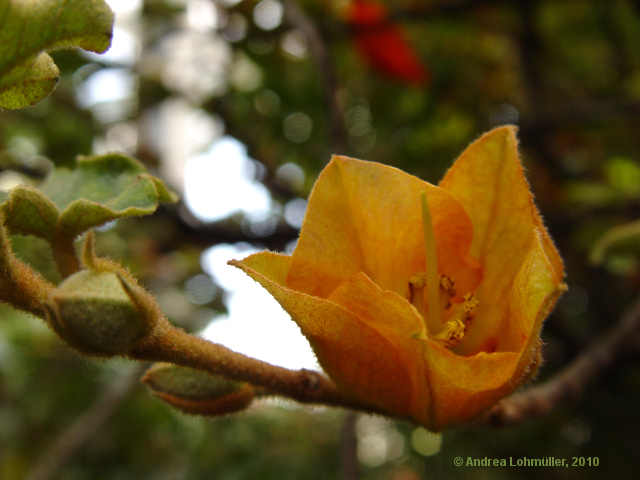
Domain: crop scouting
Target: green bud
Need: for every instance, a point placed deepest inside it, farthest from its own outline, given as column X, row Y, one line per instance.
column 197, row 392
column 93, row 312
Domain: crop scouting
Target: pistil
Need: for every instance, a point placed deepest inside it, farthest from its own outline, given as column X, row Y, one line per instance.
column 432, row 317
column 445, row 315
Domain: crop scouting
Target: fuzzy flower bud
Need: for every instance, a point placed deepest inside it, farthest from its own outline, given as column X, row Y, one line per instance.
column 92, row 311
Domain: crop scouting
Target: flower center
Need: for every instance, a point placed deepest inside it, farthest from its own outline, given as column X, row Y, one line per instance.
column 434, row 295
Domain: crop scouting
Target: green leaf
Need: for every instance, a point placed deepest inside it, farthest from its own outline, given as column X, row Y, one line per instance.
column 103, row 188
column 38, row 81
column 623, row 174
column 615, row 236
column 30, row 212
column 586, row 194
column 37, row 253
column 96, row 190
column 30, row 28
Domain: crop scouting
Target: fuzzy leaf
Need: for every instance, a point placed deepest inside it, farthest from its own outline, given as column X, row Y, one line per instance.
column 28, row 211
column 29, row 28
column 36, row 253
column 103, row 188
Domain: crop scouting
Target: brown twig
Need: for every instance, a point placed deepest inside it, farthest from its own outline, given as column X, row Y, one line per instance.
column 570, row 382
column 189, row 229
column 83, row 428
column 349, row 446
column 170, row 344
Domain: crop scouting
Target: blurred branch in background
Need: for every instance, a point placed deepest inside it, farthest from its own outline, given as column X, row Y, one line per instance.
column 570, row 382
column 349, row 447
column 86, row 426
column 326, row 71
column 190, row 229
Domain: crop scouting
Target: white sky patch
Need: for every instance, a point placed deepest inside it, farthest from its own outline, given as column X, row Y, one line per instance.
column 256, row 324
column 202, row 15
column 219, row 183
column 106, row 85
column 124, row 48
column 291, row 174
column 294, row 212
column 268, row 14
column 125, row 45
column 194, row 63
column 125, row 7
column 294, row 44
column 177, row 131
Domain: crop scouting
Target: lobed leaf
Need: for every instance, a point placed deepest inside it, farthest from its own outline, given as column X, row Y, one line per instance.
column 70, row 201
column 36, row 253
column 30, row 28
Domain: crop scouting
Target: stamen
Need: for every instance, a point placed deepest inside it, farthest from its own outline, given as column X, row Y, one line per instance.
column 469, row 305
column 447, row 286
column 459, row 319
column 433, row 282
column 452, row 333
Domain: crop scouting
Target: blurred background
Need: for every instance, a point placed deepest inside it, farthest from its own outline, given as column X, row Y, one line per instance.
column 238, row 104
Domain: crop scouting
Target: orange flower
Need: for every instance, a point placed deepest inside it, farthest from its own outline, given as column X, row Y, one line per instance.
column 421, row 301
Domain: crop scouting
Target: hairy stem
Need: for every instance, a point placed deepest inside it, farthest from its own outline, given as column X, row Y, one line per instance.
column 169, row 344
column 64, row 254
column 20, row 285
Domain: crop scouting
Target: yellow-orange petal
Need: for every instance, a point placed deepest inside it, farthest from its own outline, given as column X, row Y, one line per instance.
column 366, row 217
column 463, row 386
column 535, row 291
column 489, row 182
column 363, row 363
column 393, row 317
column 383, row 309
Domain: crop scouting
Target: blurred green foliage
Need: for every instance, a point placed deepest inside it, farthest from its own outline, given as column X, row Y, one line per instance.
column 568, row 73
